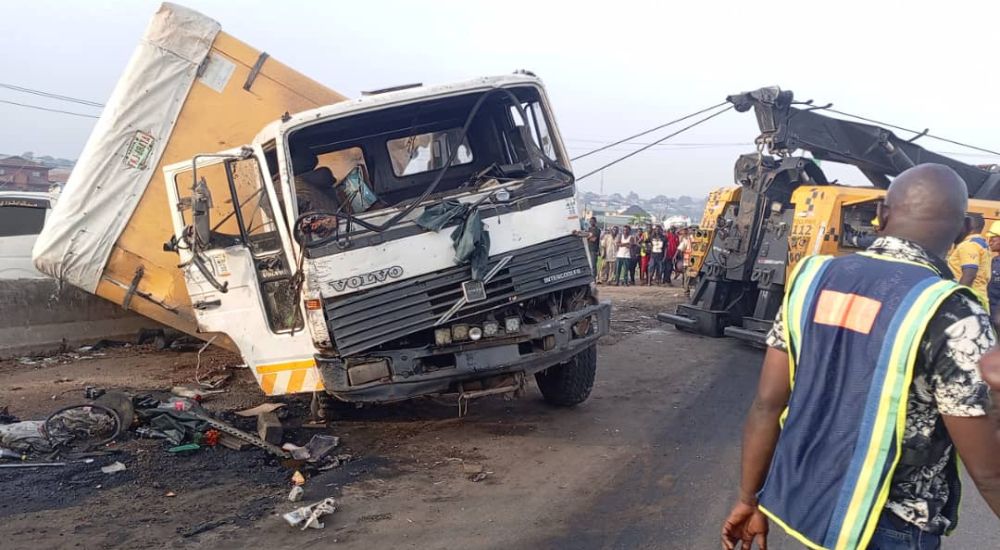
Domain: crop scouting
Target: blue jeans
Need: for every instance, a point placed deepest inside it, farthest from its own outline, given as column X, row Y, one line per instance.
column 892, row 533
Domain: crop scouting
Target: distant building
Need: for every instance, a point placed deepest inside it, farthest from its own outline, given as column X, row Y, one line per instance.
column 635, row 211
column 59, row 176
column 21, row 174
column 633, row 215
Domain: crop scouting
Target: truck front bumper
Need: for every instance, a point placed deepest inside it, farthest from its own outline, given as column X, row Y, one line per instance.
column 431, row 370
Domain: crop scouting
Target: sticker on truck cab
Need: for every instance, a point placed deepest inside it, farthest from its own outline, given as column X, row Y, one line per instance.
column 216, row 72
column 139, row 150
column 220, row 265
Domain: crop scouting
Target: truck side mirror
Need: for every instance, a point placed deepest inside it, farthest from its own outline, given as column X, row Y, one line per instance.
column 201, row 218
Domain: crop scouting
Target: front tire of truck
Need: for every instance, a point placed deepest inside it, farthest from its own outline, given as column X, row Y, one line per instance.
column 569, row 383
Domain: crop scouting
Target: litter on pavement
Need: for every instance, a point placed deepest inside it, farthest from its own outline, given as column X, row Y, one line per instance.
column 308, row 516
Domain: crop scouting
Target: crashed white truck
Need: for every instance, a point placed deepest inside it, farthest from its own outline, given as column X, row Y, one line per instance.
column 417, row 241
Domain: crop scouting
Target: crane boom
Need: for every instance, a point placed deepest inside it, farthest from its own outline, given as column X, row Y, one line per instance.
column 876, row 151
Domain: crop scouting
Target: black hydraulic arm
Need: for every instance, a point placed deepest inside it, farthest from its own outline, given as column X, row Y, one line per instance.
column 874, row 150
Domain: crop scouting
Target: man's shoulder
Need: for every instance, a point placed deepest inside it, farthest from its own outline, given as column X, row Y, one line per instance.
column 958, row 306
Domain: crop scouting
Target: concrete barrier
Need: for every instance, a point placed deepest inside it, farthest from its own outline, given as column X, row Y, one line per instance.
column 36, row 315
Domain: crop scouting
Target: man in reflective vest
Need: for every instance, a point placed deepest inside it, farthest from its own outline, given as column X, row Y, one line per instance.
column 869, row 386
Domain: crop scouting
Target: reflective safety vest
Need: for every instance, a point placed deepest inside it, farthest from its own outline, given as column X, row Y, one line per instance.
column 853, row 325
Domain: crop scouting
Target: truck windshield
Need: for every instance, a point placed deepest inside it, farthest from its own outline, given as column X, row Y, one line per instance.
column 365, row 162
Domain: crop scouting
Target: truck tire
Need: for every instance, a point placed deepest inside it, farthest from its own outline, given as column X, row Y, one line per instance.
column 569, row 383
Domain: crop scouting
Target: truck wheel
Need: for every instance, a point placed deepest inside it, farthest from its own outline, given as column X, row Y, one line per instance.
column 569, row 383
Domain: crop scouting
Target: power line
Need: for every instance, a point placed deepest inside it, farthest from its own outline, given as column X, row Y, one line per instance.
column 651, row 130
column 939, row 138
column 47, row 109
column 677, row 144
column 664, row 138
column 51, row 95
column 668, row 148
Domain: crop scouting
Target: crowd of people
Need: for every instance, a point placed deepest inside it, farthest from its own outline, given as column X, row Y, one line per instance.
column 649, row 255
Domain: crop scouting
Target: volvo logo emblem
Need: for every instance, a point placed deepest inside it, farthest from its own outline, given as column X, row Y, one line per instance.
column 367, row 279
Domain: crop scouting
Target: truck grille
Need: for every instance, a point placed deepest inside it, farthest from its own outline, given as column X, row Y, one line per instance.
column 361, row 321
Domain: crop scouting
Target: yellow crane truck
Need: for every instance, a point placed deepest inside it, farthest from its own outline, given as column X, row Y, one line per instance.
column 784, row 208
column 415, row 241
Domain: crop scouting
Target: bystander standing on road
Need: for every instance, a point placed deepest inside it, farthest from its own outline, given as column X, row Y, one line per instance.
column 871, row 380
column 657, row 244
column 634, row 251
column 970, row 260
column 669, row 254
column 683, row 255
column 609, row 251
column 644, row 258
column 623, row 257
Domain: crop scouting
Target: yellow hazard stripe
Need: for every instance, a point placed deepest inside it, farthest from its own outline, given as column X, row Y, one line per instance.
column 289, row 377
column 281, row 367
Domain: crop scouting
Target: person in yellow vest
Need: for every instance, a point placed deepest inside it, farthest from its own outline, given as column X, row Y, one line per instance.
column 971, row 259
column 871, row 389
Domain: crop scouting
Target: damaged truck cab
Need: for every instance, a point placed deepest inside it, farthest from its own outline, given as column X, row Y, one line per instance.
column 417, row 241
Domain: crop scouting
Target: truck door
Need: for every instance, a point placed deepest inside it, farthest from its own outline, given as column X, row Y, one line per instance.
column 235, row 254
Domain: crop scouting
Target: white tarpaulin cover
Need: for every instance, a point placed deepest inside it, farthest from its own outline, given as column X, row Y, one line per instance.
column 125, row 147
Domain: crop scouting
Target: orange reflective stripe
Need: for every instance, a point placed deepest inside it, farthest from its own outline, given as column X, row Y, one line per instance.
column 849, row 311
column 267, row 383
column 295, row 381
column 279, row 367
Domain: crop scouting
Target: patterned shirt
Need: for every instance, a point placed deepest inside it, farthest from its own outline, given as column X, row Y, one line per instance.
column 946, row 381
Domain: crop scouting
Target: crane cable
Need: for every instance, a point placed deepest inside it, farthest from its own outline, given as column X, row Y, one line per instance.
column 651, row 130
column 657, row 142
column 51, row 95
column 40, row 108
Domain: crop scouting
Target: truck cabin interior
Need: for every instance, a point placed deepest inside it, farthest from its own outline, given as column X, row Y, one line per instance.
column 375, row 160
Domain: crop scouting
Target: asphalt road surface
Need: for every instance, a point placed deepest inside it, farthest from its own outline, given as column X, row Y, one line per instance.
column 650, row 461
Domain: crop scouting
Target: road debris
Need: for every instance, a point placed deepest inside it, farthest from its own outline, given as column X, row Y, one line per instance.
column 298, row 478
column 336, row 462
column 296, row 493
column 298, row 453
column 260, row 409
column 113, row 468
column 191, row 391
column 46, row 464
column 479, row 477
column 25, row 436
column 269, row 428
column 7, row 453
column 231, row 442
column 308, row 516
column 320, row 446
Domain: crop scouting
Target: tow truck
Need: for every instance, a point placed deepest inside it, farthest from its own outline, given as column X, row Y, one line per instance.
column 784, row 207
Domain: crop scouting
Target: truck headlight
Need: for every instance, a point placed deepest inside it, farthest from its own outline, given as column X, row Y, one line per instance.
column 491, row 329
column 442, row 336
column 475, row 333
column 512, row 324
column 460, row 332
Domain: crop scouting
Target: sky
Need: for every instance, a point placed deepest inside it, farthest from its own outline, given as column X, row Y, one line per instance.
column 611, row 69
